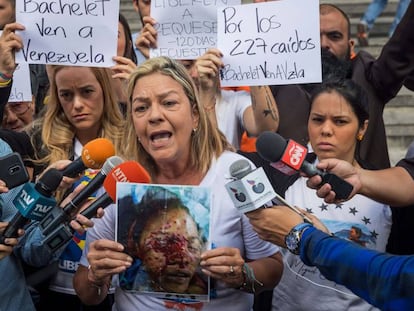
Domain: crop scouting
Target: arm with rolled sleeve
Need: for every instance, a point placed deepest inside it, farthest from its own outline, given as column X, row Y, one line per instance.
column 384, row 280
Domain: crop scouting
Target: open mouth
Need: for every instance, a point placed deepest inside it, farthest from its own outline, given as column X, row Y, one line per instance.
column 159, row 137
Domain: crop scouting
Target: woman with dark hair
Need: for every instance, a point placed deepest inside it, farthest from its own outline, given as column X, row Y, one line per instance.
column 125, row 61
column 125, row 45
column 337, row 123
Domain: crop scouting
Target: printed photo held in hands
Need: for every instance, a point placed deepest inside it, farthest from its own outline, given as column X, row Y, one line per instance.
column 164, row 229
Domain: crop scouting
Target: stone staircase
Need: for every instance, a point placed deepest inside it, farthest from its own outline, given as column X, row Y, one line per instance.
column 399, row 113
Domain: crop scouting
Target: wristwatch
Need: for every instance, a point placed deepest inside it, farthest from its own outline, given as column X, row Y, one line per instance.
column 292, row 239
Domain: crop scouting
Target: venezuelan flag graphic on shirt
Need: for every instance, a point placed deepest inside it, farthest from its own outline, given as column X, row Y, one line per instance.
column 68, row 261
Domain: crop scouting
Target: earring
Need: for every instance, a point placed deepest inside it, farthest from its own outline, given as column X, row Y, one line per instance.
column 194, row 130
column 360, row 137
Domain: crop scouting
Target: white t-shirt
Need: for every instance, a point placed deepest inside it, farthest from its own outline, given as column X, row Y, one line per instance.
column 228, row 228
column 305, row 288
column 229, row 114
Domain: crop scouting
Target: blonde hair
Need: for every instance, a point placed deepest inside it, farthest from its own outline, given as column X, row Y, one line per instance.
column 206, row 142
column 56, row 133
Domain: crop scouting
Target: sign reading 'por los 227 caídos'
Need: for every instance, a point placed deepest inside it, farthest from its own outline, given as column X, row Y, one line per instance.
column 270, row 43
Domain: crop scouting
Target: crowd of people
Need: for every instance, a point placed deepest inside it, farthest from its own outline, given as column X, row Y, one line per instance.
column 174, row 118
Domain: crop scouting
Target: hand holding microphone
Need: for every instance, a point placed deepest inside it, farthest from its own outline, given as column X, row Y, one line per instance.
column 129, row 171
column 33, row 202
column 60, row 215
column 94, row 155
column 290, row 157
column 246, row 178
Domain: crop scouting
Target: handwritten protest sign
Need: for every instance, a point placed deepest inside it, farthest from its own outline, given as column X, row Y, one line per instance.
column 186, row 28
column 68, row 32
column 21, row 89
column 270, row 43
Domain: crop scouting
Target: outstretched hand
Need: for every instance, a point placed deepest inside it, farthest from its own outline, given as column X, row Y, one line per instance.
column 342, row 169
column 274, row 223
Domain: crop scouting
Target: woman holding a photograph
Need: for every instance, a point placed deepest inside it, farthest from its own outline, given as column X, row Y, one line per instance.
column 170, row 134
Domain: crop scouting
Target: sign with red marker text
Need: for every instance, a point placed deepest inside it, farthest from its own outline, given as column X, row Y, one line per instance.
column 68, row 32
column 270, row 43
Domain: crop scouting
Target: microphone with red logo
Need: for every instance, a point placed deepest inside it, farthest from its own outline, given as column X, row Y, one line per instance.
column 94, row 155
column 59, row 215
column 129, row 171
column 290, row 157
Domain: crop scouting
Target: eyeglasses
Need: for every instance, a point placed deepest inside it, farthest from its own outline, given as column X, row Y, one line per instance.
column 18, row 108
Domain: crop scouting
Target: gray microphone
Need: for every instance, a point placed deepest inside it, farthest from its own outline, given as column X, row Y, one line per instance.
column 242, row 168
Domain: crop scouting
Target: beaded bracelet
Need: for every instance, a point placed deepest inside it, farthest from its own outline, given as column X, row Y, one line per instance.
column 5, row 83
column 5, row 76
column 249, row 279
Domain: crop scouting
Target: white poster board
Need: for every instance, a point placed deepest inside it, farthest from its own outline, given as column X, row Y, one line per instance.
column 186, row 29
column 68, row 32
column 21, row 89
column 270, row 43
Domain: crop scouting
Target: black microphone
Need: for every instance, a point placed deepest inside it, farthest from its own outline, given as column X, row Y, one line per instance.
column 93, row 155
column 129, row 171
column 290, row 156
column 59, row 215
column 33, row 202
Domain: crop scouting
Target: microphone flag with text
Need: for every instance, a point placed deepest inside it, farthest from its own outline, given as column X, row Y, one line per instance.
column 129, row 171
column 33, row 202
column 241, row 170
column 290, row 157
column 93, row 155
column 60, row 215
column 250, row 189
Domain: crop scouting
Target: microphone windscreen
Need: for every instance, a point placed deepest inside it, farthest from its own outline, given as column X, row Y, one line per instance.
column 270, row 146
column 129, row 171
column 49, row 181
column 240, row 168
column 95, row 152
column 110, row 163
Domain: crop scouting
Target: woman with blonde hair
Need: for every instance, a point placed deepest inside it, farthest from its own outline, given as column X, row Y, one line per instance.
column 172, row 137
column 81, row 107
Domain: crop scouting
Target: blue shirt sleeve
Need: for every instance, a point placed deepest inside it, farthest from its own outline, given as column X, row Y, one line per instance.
column 384, row 280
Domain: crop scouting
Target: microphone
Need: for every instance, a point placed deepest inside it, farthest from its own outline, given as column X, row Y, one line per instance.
column 241, row 169
column 250, row 189
column 93, row 155
column 129, row 171
column 290, row 157
column 59, row 215
column 33, row 202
